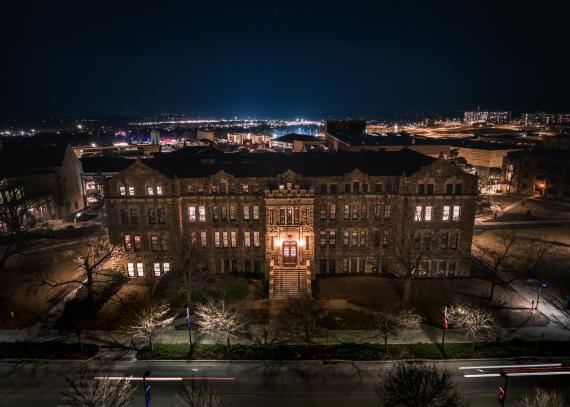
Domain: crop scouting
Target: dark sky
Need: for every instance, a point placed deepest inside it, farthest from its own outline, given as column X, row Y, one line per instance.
column 282, row 58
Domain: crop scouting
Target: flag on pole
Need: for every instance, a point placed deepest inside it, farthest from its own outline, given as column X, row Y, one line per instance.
column 187, row 317
column 445, row 318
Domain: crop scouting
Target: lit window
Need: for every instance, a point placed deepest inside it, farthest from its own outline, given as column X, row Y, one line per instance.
column 154, row 244
column 427, row 213
column 132, row 191
column 131, row 269
column 255, row 212
column 246, row 239
column 202, row 213
column 159, row 190
column 217, row 239
column 165, row 267
column 156, row 269
column 234, row 239
column 446, row 209
column 137, row 243
column 192, row 213
column 128, row 243
column 122, row 190
column 332, row 211
column 256, row 239
column 246, row 212
column 140, row 270
column 203, row 239
column 90, row 185
column 456, row 212
column 346, row 212
column 232, row 212
column 387, row 212
column 150, row 191
column 245, row 188
column 418, row 215
column 225, row 239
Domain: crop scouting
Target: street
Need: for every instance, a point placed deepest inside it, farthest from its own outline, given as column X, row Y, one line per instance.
column 312, row 383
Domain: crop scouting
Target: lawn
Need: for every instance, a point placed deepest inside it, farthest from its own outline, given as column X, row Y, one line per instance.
column 20, row 292
column 374, row 292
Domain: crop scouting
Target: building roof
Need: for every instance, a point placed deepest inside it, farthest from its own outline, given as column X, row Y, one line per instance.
column 391, row 139
column 31, row 160
column 95, row 165
column 289, row 138
column 547, row 153
column 306, row 164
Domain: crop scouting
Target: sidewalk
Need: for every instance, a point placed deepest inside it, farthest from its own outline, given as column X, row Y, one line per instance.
column 426, row 334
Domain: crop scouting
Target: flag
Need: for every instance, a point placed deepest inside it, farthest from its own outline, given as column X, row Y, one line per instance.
column 445, row 318
column 187, row 318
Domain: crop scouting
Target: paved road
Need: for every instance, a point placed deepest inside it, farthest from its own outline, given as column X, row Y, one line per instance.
column 254, row 383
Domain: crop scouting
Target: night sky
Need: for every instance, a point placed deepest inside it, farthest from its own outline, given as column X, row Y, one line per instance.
column 282, row 59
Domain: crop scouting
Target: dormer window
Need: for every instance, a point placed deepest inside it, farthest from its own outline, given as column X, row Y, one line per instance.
column 131, row 191
column 159, row 190
column 150, row 191
column 122, row 190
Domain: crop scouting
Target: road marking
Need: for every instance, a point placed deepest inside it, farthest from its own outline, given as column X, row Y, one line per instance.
column 483, row 375
column 166, row 379
column 509, row 366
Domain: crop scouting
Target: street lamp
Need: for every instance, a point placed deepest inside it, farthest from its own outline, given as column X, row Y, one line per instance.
column 146, row 389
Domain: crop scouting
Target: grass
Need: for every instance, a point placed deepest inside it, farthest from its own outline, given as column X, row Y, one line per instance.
column 46, row 350
column 359, row 352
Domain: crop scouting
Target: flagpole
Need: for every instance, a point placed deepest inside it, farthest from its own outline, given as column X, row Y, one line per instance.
column 445, row 326
column 188, row 325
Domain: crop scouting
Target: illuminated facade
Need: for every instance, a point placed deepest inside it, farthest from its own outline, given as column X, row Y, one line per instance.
column 291, row 217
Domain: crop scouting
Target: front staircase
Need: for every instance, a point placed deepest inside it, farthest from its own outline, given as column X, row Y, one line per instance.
column 289, row 283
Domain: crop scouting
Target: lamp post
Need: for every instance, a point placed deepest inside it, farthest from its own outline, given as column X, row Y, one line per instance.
column 146, row 389
column 540, row 287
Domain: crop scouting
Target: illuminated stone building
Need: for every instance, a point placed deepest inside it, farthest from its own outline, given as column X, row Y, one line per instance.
column 292, row 217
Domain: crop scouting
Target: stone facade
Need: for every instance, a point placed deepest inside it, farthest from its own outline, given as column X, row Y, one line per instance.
column 293, row 224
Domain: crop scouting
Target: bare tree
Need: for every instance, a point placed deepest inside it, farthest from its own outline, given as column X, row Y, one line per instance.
column 17, row 211
column 413, row 242
column 390, row 322
column 92, row 256
column 417, row 384
column 542, row 398
column 193, row 263
column 87, row 391
column 218, row 320
column 148, row 320
column 302, row 319
column 475, row 321
column 201, row 394
column 496, row 259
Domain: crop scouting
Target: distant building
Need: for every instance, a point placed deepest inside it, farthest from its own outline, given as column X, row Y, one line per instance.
column 297, row 142
column 51, row 173
column 488, row 117
column 117, row 150
column 155, row 137
column 343, row 136
column 542, row 172
column 246, row 139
